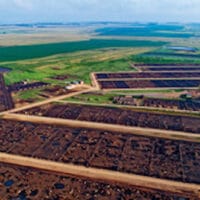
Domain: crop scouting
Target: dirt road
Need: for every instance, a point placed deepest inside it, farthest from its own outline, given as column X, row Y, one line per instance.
column 192, row 190
column 174, row 135
column 94, row 81
column 91, row 89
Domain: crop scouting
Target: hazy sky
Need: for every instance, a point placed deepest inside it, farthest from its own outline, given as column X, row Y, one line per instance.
column 22, row 11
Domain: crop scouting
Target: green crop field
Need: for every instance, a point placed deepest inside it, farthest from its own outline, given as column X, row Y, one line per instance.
column 15, row 53
column 76, row 65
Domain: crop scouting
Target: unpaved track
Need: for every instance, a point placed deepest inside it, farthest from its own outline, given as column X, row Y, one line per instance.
column 91, row 89
column 193, row 190
column 174, row 135
column 94, row 81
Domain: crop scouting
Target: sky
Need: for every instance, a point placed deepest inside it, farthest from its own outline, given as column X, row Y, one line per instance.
column 30, row 11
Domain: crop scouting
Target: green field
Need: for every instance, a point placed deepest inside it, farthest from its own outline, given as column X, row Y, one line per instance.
column 15, row 53
column 93, row 98
column 77, row 65
column 30, row 95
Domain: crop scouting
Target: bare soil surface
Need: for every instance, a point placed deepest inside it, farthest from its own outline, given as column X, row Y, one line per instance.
column 118, row 116
column 41, row 184
column 147, row 156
